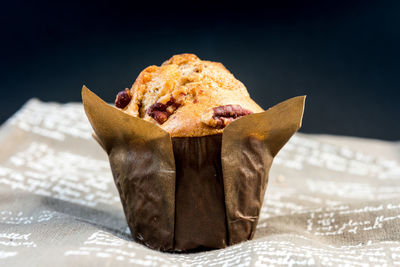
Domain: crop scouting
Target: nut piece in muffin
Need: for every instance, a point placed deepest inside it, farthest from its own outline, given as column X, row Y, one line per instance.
column 187, row 97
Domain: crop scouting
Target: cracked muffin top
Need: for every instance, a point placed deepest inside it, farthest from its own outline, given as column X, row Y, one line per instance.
column 187, row 97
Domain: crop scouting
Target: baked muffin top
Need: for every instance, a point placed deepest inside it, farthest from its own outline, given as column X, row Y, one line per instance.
column 187, row 97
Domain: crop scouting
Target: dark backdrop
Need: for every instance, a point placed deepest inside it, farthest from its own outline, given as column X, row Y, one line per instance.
column 343, row 54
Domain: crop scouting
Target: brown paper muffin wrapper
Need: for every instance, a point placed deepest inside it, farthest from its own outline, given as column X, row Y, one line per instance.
column 192, row 193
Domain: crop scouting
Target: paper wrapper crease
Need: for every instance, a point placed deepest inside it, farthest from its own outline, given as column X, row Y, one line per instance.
column 192, row 193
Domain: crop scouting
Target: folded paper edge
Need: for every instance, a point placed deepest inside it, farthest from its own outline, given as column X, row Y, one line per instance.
column 261, row 120
column 91, row 103
column 288, row 102
column 97, row 139
column 283, row 118
column 103, row 117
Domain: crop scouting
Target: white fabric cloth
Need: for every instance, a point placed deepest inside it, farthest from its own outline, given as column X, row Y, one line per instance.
column 330, row 201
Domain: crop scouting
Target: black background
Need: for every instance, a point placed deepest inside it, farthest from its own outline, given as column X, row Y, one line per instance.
column 343, row 54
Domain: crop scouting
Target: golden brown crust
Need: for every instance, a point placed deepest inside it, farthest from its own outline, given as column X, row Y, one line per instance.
column 179, row 93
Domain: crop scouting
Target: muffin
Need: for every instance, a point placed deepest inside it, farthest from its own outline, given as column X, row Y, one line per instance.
column 190, row 153
column 187, row 97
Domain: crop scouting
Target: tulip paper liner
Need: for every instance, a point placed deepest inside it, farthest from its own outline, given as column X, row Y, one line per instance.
column 191, row 193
